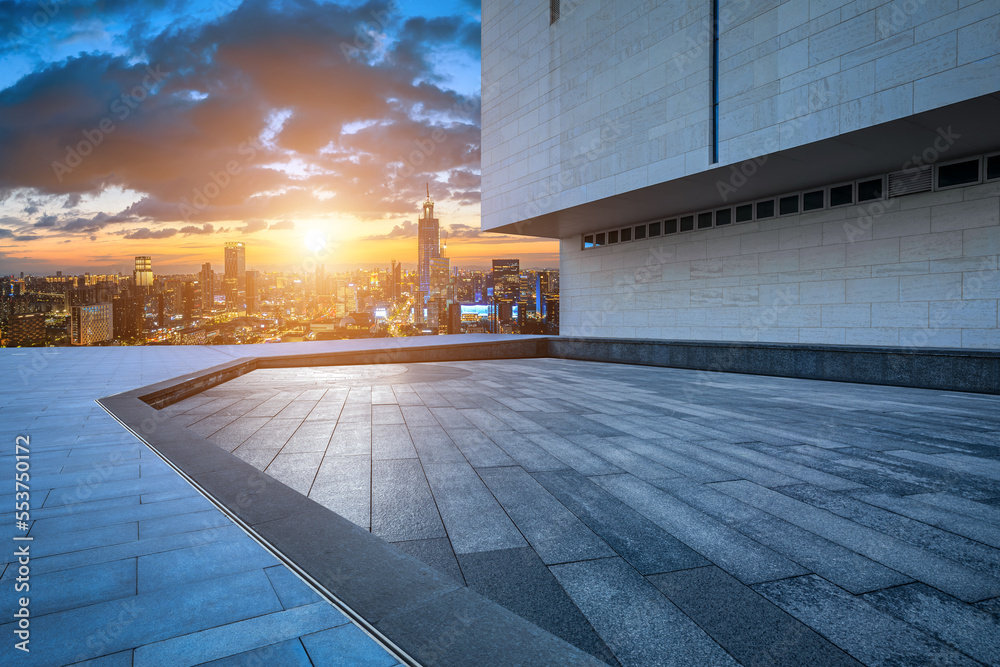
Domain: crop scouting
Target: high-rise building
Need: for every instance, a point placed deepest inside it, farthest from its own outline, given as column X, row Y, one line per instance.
column 506, row 278
column 234, row 278
column 90, row 324
column 189, row 301
column 428, row 243
column 206, row 280
column 395, row 280
column 253, row 292
column 752, row 171
column 143, row 273
column 128, row 316
column 27, row 330
column 506, row 290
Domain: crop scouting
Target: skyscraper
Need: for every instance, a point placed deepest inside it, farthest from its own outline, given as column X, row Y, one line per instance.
column 90, row 324
column 143, row 273
column 395, row 278
column 506, row 278
column 234, row 278
column 253, row 292
column 428, row 243
column 506, row 289
column 207, row 280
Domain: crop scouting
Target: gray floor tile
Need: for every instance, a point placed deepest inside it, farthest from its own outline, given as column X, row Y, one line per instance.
column 747, row 560
column 871, row 636
column 845, row 568
column 646, row 546
column 944, row 574
column 748, row 626
column 639, row 625
column 517, row 579
column 972, row 631
column 472, row 516
column 344, row 485
column 434, row 552
column 555, row 534
column 402, row 505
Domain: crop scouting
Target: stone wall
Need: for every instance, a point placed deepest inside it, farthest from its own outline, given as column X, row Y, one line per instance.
column 919, row 270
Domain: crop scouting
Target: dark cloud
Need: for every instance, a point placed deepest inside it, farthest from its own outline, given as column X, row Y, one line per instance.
column 47, row 221
column 146, row 233
column 183, row 128
column 207, row 228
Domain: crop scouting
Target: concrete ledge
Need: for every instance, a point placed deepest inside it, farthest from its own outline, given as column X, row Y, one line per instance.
column 943, row 368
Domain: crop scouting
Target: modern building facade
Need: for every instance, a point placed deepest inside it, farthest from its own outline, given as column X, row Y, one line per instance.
column 206, row 280
column 234, row 277
column 794, row 172
column 428, row 244
column 91, row 324
column 143, row 273
column 253, row 292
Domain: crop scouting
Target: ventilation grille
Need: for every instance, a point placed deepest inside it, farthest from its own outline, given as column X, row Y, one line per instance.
column 910, row 181
column 553, row 11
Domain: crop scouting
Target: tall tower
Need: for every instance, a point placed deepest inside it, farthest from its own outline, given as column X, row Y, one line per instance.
column 143, row 273
column 234, row 279
column 207, row 280
column 253, row 292
column 428, row 243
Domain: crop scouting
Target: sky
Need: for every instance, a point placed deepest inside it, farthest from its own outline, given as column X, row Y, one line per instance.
column 306, row 129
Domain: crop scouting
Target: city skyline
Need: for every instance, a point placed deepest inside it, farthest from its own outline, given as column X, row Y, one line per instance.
column 121, row 141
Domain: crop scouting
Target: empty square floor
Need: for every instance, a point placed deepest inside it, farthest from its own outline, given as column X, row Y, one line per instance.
column 654, row 515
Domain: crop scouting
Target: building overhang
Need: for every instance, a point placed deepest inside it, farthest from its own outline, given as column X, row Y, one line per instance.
column 970, row 127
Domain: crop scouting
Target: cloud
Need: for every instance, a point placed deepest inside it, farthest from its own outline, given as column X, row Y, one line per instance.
column 253, row 226
column 404, row 230
column 207, row 228
column 239, row 112
column 146, row 233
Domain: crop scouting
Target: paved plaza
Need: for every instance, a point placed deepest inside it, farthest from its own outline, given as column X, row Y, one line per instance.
column 129, row 564
column 657, row 516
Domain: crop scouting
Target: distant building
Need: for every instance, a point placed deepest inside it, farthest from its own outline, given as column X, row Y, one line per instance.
column 506, row 289
column 506, row 278
column 396, row 281
column 234, row 278
column 253, row 292
column 207, row 281
column 189, row 299
column 128, row 316
column 428, row 244
column 27, row 330
column 91, row 324
column 143, row 273
column 454, row 318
